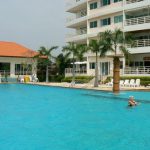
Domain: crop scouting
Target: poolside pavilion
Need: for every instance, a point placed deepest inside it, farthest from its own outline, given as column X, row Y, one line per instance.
column 16, row 59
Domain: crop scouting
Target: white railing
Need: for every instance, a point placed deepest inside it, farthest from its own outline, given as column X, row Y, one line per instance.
column 71, row 3
column 23, row 72
column 81, row 32
column 77, row 71
column 137, row 70
column 140, row 43
column 4, row 72
column 71, row 18
column 139, row 20
column 133, row 1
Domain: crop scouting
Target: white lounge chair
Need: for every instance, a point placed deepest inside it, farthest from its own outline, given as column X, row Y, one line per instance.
column 110, row 83
column 22, row 79
column 34, row 78
column 126, row 83
column 132, row 83
column 121, row 82
column 137, row 83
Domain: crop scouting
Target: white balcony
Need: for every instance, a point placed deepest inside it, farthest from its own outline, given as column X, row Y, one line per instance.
column 78, row 71
column 106, row 10
column 139, row 71
column 75, row 5
column 140, row 23
column 142, row 43
column 78, row 38
column 95, row 31
column 135, row 4
column 140, row 46
column 73, row 21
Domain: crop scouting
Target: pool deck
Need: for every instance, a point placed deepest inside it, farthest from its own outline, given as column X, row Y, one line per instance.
column 90, row 87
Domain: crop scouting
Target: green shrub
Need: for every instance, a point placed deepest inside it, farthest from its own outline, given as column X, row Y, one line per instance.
column 56, row 78
column 78, row 79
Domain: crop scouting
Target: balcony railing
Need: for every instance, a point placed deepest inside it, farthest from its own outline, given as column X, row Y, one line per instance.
column 71, row 18
column 4, row 73
column 77, row 71
column 133, row 1
column 78, row 33
column 7, row 73
column 71, row 3
column 139, row 20
column 140, row 43
column 137, row 70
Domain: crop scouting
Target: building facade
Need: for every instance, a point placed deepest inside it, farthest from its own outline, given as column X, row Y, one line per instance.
column 16, row 59
column 87, row 18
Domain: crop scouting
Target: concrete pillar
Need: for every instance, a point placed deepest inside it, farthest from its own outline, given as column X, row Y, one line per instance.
column 87, row 66
column 12, row 69
column 34, row 68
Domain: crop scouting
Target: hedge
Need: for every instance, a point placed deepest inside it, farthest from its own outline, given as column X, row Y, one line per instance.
column 78, row 79
column 145, row 81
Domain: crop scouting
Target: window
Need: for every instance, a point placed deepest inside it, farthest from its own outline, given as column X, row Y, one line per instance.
column 93, row 24
column 118, row 19
column 105, row 22
column 115, row 1
column 105, row 2
column 93, row 5
column 23, row 69
column 92, row 65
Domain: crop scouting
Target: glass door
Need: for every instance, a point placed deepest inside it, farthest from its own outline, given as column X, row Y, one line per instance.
column 105, row 68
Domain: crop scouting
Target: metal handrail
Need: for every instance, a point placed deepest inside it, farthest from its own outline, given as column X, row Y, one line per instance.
column 138, row 20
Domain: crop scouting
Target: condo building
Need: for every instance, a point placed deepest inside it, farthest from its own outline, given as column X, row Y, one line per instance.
column 87, row 18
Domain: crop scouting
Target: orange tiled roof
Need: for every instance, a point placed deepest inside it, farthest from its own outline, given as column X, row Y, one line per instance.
column 11, row 49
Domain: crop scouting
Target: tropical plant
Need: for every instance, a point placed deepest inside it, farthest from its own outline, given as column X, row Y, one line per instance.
column 62, row 61
column 115, row 41
column 47, row 53
column 76, row 51
column 97, row 47
column 82, row 49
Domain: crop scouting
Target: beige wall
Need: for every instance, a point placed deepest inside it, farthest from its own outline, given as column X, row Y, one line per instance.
column 14, row 61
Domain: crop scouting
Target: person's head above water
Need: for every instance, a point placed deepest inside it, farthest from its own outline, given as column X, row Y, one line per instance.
column 131, row 97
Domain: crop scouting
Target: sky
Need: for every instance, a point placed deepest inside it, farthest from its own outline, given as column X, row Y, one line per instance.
column 33, row 23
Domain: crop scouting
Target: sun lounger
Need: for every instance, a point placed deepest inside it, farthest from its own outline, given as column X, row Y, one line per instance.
column 137, row 83
column 121, row 82
column 110, row 83
column 126, row 83
column 132, row 83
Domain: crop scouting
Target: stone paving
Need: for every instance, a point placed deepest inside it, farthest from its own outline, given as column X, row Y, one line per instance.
column 88, row 86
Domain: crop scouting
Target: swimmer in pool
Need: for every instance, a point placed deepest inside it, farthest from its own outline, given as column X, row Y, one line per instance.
column 131, row 101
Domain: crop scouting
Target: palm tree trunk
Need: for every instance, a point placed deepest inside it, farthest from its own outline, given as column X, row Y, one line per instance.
column 47, row 74
column 96, row 72
column 116, row 75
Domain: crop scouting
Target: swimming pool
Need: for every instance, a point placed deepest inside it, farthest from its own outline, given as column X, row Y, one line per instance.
column 52, row 118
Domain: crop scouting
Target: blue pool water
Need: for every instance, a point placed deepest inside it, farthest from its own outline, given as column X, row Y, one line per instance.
column 51, row 118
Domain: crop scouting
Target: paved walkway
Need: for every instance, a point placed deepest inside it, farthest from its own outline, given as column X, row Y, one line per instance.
column 87, row 86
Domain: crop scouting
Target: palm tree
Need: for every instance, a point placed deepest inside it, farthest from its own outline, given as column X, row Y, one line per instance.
column 48, row 54
column 115, row 41
column 76, row 51
column 96, row 46
column 62, row 61
column 82, row 49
